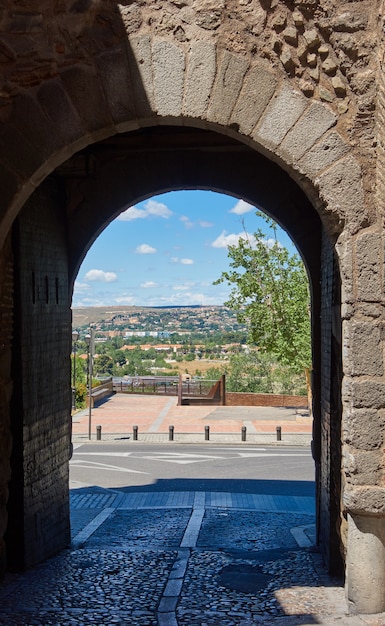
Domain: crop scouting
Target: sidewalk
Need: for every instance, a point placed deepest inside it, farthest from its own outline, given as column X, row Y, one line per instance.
column 153, row 415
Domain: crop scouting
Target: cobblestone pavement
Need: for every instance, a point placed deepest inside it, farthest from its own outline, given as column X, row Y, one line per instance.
column 182, row 559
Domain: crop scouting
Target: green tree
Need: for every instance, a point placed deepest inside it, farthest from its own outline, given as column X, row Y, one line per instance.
column 271, row 295
column 104, row 365
column 250, row 372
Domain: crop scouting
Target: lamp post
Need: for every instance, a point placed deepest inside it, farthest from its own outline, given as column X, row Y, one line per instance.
column 90, row 341
column 75, row 337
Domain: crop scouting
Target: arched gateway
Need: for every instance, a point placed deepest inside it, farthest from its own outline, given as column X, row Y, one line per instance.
column 275, row 101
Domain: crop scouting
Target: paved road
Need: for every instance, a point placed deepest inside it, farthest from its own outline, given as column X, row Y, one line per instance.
column 168, row 467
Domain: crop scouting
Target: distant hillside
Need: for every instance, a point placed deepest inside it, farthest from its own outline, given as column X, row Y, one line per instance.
column 84, row 316
column 91, row 315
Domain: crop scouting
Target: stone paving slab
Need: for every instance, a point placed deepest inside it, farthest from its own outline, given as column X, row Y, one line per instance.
column 187, row 499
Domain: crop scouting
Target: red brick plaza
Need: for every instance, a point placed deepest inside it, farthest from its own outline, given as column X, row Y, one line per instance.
column 155, row 414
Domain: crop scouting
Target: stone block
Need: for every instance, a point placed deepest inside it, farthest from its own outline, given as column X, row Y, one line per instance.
column 323, row 154
column 316, row 121
column 362, row 499
column 114, row 72
column 368, row 254
column 279, row 117
column 341, row 188
column 60, row 110
column 363, row 348
column 30, row 119
column 17, row 151
column 83, row 88
column 257, row 91
column 344, row 250
column 201, row 69
column 139, row 51
column 368, row 394
column 362, row 467
column 364, row 429
column 227, row 86
column 169, row 66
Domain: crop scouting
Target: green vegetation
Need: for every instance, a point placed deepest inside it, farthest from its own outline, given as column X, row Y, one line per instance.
column 255, row 372
column 271, row 295
column 203, row 341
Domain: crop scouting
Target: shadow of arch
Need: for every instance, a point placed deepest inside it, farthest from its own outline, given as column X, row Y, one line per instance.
column 105, row 178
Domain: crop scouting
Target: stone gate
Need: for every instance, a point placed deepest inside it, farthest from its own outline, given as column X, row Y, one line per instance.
column 280, row 102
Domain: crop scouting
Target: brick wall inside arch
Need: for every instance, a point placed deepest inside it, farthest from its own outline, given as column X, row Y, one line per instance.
column 38, row 506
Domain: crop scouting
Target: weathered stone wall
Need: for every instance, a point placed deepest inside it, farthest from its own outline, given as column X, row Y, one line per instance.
column 331, row 526
column 220, row 61
column 39, row 501
column 299, row 81
column 6, row 336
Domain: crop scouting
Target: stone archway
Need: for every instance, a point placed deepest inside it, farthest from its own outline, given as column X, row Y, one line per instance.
column 274, row 85
column 142, row 163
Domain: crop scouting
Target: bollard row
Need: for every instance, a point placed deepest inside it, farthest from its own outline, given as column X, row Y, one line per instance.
column 171, row 433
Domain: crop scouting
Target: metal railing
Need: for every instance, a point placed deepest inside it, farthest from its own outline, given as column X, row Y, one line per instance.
column 161, row 385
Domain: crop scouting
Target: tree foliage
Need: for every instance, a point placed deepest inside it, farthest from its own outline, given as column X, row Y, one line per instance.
column 271, row 295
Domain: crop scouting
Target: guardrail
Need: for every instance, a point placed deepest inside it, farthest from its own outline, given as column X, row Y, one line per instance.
column 147, row 384
column 160, row 385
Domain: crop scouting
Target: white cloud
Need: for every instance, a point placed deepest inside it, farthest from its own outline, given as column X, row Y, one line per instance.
column 183, row 286
column 185, row 298
column 189, row 224
column 132, row 213
column 101, row 276
column 157, row 209
column 176, row 259
column 152, row 208
column 149, row 284
column 242, row 207
column 144, row 248
column 125, row 300
column 81, row 287
column 271, row 242
column 225, row 240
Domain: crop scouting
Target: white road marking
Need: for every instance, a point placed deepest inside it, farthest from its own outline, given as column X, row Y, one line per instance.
column 180, row 458
column 119, row 454
column 103, row 466
column 270, row 454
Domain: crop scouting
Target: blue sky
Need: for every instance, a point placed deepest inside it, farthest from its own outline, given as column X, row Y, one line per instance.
column 167, row 250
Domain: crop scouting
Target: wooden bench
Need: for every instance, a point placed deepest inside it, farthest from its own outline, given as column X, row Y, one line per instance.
column 98, row 393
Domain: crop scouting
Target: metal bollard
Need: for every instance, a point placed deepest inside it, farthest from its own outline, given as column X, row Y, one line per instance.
column 279, row 433
column 207, row 433
column 98, row 433
column 171, row 433
column 135, row 433
column 243, row 434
